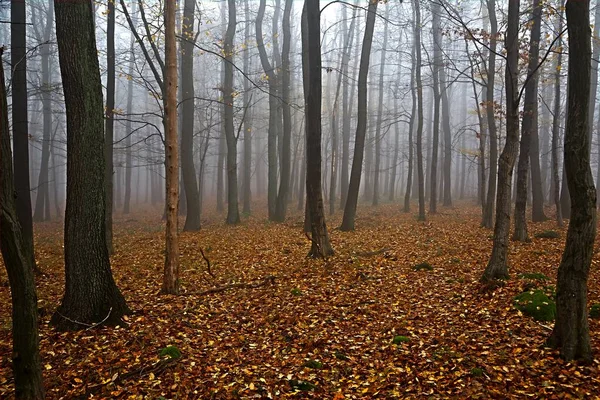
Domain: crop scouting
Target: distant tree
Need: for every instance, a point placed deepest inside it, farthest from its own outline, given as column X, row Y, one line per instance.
column 419, row 86
column 361, row 128
column 571, row 331
column 556, row 120
column 311, row 66
column 109, row 124
column 26, row 363
column 91, row 295
column 497, row 265
column 435, row 71
column 247, row 164
column 413, row 116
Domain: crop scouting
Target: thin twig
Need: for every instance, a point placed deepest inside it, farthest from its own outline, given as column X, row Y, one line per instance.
column 89, row 326
column 207, row 263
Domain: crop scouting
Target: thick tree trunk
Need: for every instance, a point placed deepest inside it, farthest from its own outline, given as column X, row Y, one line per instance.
column 488, row 215
column 18, row 59
column 571, row 331
column 497, row 265
column 171, row 270
column 91, row 295
column 26, row 363
column 233, row 214
column 361, row 128
column 188, row 172
column 530, row 109
column 311, row 65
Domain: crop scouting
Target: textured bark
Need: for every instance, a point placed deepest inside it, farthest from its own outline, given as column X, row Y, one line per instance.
column 109, row 122
column 91, row 295
column 171, row 269
column 381, row 91
column 311, row 66
column 361, row 128
column 284, row 180
column 42, row 200
column 497, row 265
column 188, row 172
column 571, row 331
column 488, row 215
column 18, row 61
column 530, row 109
column 233, row 214
column 26, row 363
column 437, row 60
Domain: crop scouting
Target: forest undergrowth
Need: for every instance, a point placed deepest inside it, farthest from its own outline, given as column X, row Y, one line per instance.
column 266, row 322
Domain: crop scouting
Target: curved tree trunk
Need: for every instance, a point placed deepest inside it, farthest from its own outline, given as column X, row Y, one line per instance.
column 497, row 267
column 361, row 128
column 91, row 295
column 571, row 331
column 26, row 363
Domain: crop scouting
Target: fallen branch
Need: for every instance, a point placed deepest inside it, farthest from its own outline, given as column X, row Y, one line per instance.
column 264, row 281
column 207, row 263
column 89, row 326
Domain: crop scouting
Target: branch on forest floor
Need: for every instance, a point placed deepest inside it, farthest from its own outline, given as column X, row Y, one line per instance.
column 207, row 263
column 263, row 282
column 89, row 326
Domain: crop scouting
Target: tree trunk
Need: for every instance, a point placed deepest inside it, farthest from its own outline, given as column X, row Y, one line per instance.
column 109, row 122
column 437, row 60
column 171, row 270
column 361, row 128
column 420, row 177
column 18, row 59
column 556, row 124
column 26, row 363
column 447, row 174
column 488, row 216
column 311, row 65
column 530, row 110
column 128, row 127
column 91, row 295
column 413, row 93
column 571, row 331
column 247, row 175
column 497, row 267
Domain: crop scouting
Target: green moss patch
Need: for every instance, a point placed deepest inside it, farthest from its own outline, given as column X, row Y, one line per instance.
column 477, row 372
column 170, row 351
column 536, row 276
column 424, row 266
column 301, row 385
column 313, row 364
column 400, row 339
column 296, row 292
column 536, row 304
column 595, row 311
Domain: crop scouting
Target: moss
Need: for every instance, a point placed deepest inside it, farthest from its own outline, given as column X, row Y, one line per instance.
column 170, row 351
column 549, row 234
column 313, row 364
column 296, row 292
column 400, row 339
column 537, row 276
column 536, row 304
column 423, row 266
column 595, row 311
column 476, row 371
column 341, row 356
column 301, row 385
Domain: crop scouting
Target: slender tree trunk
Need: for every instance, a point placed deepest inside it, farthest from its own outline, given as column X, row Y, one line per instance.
column 413, row 93
column 530, row 109
column 26, row 363
column 361, row 129
column 571, row 331
column 497, row 266
column 420, row 177
column 311, row 65
column 447, row 172
column 91, row 295
column 18, row 59
column 247, row 192
column 109, row 122
column 437, row 61
column 171, row 270
column 128, row 127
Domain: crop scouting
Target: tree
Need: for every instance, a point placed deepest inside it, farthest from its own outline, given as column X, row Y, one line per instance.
column 361, row 127
column 26, row 363
column 128, row 127
column 110, row 121
column 233, row 214
column 497, row 267
column 437, row 60
column 311, row 67
column 192, row 220
column 171, row 273
column 247, row 175
column 413, row 112
column 530, row 109
column 418, row 84
column 91, row 295
column 18, row 59
column 571, row 331
column 556, row 124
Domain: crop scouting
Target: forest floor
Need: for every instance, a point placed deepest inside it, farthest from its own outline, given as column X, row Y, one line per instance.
column 321, row 329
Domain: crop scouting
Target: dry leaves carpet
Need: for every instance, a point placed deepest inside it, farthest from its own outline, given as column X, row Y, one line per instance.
column 321, row 329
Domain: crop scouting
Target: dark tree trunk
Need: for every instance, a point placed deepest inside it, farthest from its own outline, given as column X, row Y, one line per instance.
column 361, row 128
column 413, row 93
column 420, row 177
column 447, row 171
column 311, row 66
column 109, row 122
column 233, row 214
column 530, row 110
column 437, row 60
column 18, row 61
column 286, row 150
column 188, row 172
column 488, row 215
column 571, row 331
column 26, row 363
column 91, row 295
column 497, row 266
column 247, row 175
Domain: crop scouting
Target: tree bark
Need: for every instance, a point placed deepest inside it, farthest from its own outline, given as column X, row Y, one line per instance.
column 420, row 177
column 571, row 331
column 361, row 128
column 91, row 295
column 497, row 267
column 247, row 175
column 413, row 112
column 556, row 124
column 109, row 122
column 437, row 60
column 447, row 171
column 26, row 363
